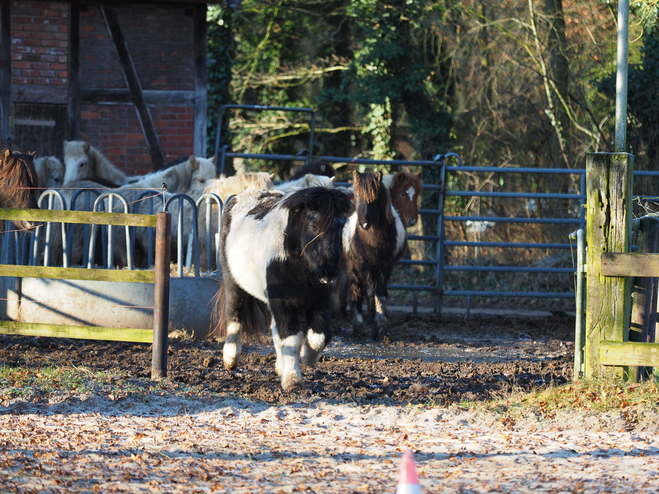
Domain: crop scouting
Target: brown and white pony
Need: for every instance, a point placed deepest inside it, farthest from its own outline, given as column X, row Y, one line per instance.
column 374, row 238
column 19, row 183
column 404, row 191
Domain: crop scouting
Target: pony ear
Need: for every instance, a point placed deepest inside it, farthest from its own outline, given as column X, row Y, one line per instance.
column 331, row 180
column 378, row 176
column 86, row 146
column 7, row 153
column 272, row 176
column 212, row 160
column 194, row 164
column 355, row 176
column 400, row 177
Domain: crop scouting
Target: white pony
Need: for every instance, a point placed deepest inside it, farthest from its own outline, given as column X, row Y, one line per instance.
column 50, row 171
column 189, row 177
column 82, row 161
column 224, row 187
column 308, row 180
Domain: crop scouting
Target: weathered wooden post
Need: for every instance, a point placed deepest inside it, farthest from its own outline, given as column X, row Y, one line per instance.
column 161, row 295
column 644, row 295
column 609, row 178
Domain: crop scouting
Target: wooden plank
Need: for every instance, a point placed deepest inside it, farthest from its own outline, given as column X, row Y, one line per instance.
column 74, row 103
column 5, row 70
column 609, row 178
column 200, row 79
column 152, row 97
column 78, row 332
column 57, row 95
column 82, row 217
column 133, row 81
column 628, row 264
column 127, row 276
column 628, row 353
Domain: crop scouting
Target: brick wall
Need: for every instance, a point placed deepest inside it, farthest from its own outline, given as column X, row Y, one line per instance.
column 160, row 41
column 115, row 130
column 39, row 44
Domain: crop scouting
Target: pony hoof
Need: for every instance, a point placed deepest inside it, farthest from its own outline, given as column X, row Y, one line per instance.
column 230, row 365
column 231, row 356
column 292, row 382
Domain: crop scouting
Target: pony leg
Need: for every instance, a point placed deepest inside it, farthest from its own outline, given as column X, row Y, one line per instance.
column 234, row 301
column 357, row 317
column 356, row 298
column 287, row 350
column 233, row 346
column 378, row 308
column 318, row 336
column 289, row 362
column 277, row 343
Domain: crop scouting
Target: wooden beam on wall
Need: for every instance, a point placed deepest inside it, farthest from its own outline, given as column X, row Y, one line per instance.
column 74, row 100
column 5, row 70
column 201, row 79
column 135, row 86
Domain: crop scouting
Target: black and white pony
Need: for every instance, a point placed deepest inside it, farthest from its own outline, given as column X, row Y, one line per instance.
column 374, row 238
column 281, row 253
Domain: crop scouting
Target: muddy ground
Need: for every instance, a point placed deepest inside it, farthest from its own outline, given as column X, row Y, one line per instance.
column 426, row 359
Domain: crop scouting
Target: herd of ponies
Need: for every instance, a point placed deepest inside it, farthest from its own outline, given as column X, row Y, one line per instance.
column 291, row 253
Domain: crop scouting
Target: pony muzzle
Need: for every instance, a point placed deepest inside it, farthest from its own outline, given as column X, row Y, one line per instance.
column 327, row 275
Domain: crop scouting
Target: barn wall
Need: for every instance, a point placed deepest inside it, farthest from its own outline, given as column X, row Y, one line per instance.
column 160, row 40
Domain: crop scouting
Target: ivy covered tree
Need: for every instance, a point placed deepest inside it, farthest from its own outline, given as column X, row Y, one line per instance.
column 365, row 66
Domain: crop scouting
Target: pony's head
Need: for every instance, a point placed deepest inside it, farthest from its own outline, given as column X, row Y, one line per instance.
column 404, row 190
column 50, row 171
column 371, row 199
column 256, row 180
column 19, row 183
column 317, row 216
column 203, row 171
column 77, row 162
column 312, row 180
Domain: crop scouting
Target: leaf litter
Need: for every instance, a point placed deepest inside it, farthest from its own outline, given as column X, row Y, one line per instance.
column 204, row 429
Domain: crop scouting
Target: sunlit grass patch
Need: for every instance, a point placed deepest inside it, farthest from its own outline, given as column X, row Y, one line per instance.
column 44, row 383
column 594, row 395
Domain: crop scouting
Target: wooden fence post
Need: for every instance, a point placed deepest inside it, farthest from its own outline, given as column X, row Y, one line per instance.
column 161, row 296
column 644, row 295
column 609, row 178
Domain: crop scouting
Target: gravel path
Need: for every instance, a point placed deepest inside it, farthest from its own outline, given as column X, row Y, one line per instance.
column 111, row 444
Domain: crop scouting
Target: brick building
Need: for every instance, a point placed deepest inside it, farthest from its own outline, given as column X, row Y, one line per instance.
column 129, row 77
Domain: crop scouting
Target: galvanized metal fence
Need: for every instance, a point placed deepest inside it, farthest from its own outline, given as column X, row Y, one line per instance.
column 441, row 257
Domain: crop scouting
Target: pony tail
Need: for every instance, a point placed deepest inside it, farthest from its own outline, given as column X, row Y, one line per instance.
column 256, row 320
column 218, row 324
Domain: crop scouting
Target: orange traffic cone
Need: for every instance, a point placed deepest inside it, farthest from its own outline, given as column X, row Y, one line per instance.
column 408, row 483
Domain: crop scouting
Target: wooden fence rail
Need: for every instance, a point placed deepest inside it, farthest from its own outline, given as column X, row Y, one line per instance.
column 159, row 278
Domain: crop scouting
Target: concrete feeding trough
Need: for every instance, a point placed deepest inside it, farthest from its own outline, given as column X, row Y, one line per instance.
column 110, row 304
